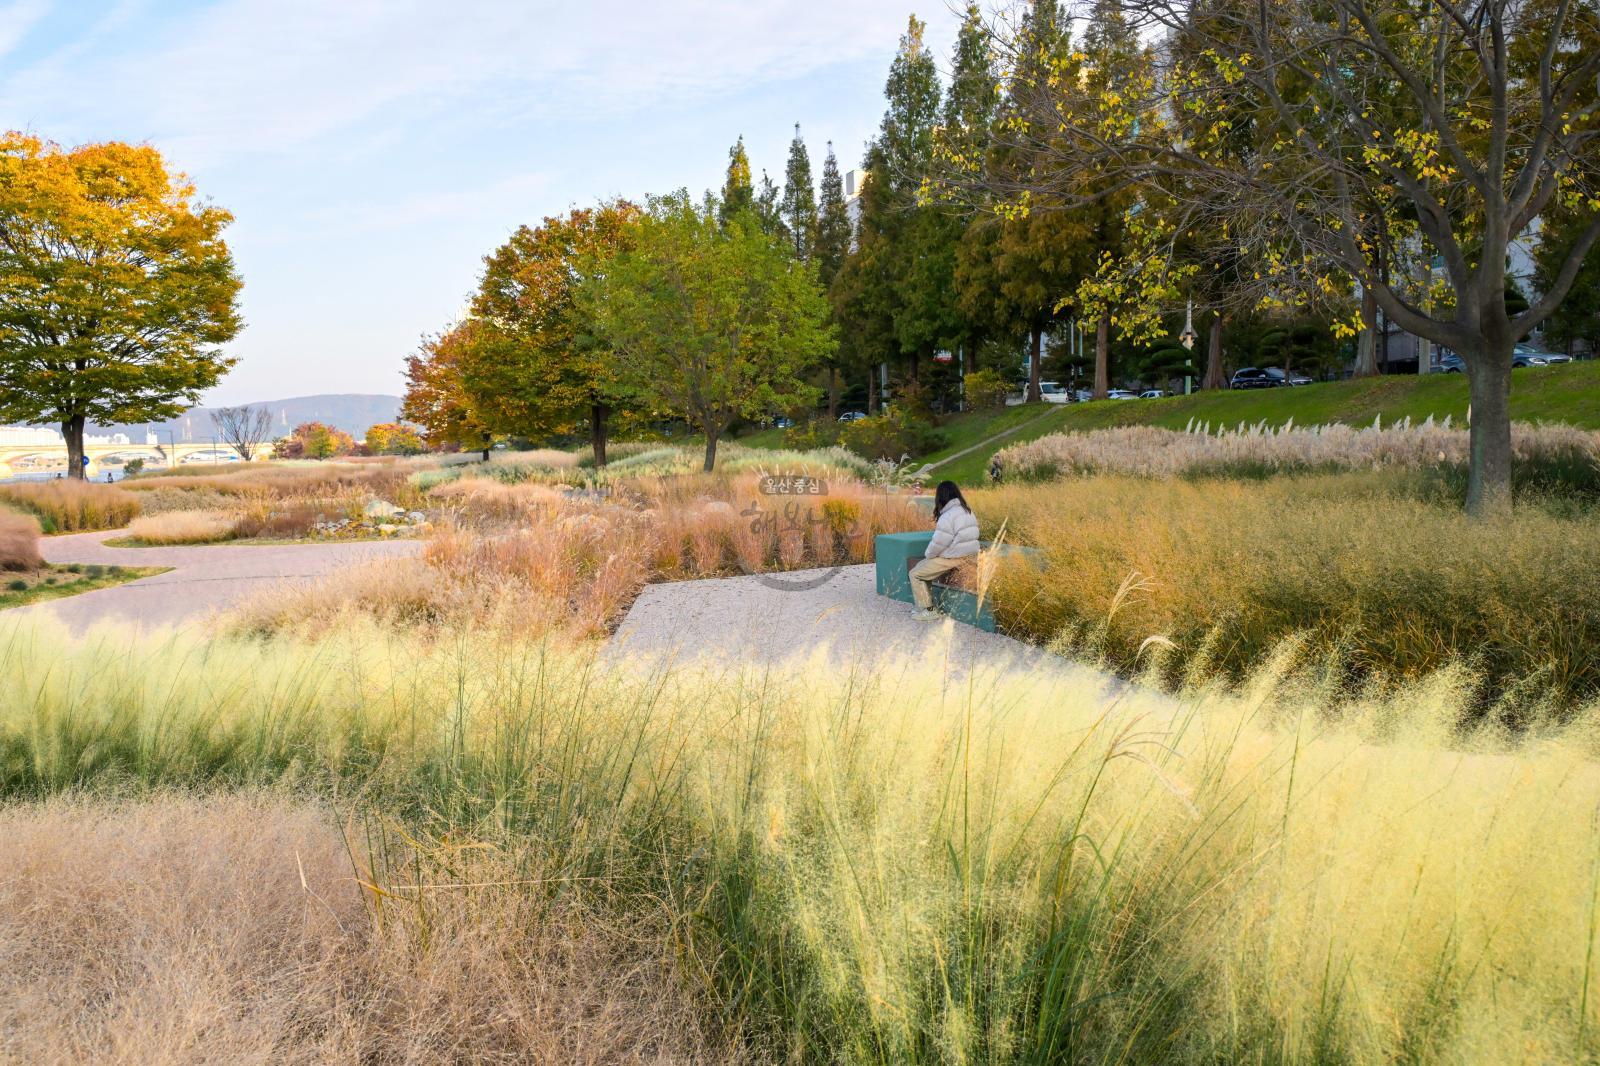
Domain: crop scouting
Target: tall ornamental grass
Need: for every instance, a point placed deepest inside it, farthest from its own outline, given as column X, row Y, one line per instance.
column 70, row 506
column 1015, row 867
column 1376, row 585
column 1555, row 456
column 19, row 542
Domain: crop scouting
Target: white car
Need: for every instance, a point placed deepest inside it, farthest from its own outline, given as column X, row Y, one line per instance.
column 1152, row 394
column 1052, row 392
column 1121, row 394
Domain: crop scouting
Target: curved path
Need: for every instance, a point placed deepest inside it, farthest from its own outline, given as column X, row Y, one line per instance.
column 204, row 578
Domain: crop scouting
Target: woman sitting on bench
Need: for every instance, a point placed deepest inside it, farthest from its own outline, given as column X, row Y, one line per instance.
column 955, row 538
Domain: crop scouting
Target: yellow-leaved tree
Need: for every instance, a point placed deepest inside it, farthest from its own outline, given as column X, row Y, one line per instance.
column 116, row 288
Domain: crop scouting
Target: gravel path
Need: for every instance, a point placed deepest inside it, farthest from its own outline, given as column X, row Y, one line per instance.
column 206, row 578
column 770, row 618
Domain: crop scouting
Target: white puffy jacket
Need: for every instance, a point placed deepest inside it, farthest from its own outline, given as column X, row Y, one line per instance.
column 955, row 536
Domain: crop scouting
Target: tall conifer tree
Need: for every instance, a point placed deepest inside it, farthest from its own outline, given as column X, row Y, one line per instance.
column 738, row 191
column 800, row 200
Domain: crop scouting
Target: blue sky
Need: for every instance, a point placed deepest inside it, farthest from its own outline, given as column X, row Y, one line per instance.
column 373, row 151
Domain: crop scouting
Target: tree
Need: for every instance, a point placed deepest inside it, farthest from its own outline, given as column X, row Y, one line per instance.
column 535, row 366
column 116, row 288
column 1383, row 132
column 315, row 440
column 738, row 190
column 829, row 250
column 392, row 438
column 245, row 429
column 1014, row 271
column 1577, row 320
column 435, row 398
column 799, row 208
column 710, row 321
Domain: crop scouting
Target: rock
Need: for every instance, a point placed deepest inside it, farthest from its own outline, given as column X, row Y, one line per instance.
column 382, row 509
column 416, row 516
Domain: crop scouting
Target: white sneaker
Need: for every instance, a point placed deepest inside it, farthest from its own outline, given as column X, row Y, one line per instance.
column 926, row 615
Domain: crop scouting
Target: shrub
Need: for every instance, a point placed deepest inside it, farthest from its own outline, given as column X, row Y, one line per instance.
column 17, row 585
column 812, row 433
column 185, row 527
column 891, row 435
column 1380, row 585
column 67, row 505
column 19, row 542
column 986, row 389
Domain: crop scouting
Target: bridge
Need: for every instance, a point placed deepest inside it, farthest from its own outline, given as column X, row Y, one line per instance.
column 23, row 459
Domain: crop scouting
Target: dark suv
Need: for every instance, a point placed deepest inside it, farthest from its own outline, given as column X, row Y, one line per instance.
column 1251, row 378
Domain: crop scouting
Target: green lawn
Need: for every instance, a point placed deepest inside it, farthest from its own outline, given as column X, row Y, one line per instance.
column 57, row 580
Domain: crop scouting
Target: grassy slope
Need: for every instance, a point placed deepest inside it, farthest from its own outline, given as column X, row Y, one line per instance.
column 1568, row 393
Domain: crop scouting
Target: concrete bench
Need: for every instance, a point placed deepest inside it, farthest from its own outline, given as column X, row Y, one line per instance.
column 894, row 554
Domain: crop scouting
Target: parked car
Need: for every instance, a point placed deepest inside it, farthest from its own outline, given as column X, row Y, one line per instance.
column 1250, row 377
column 852, row 416
column 1053, row 392
column 1152, row 394
column 1451, row 363
column 782, row 423
column 1121, row 394
column 1524, row 355
column 1083, row 396
column 1280, row 378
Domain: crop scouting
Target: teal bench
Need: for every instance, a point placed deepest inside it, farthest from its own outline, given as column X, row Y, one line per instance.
column 894, row 556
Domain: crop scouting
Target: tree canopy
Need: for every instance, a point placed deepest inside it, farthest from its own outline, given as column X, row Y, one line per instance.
column 710, row 320
column 116, row 287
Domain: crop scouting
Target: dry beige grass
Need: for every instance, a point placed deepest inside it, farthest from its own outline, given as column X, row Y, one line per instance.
column 19, row 542
column 70, row 506
column 184, row 527
column 232, row 930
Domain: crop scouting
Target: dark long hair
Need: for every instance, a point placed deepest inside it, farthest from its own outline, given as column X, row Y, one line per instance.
column 947, row 491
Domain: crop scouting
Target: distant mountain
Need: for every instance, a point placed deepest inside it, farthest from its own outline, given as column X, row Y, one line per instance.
column 351, row 412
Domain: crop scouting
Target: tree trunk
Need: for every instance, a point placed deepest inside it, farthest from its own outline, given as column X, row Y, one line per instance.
column 1216, row 377
column 1367, row 345
column 872, row 389
column 833, row 392
column 711, row 448
column 487, row 441
column 1489, row 475
column 598, row 413
column 1102, row 357
column 72, row 430
column 1036, row 347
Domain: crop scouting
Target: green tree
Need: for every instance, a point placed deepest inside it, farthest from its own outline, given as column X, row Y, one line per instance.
column 536, row 366
column 905, row 271
column 799, row 206
column 710, row 321
column 1577, row 320
column 116, row 288
column 769, row 208
column 829, row 252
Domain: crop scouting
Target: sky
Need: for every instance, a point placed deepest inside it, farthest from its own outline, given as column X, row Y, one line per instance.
column 373, row 151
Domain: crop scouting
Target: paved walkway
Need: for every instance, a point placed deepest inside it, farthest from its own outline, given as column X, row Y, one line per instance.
column 204, row 579
column 771, row 618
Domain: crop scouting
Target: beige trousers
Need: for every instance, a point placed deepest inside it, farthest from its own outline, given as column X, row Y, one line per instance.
column 923, row 573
